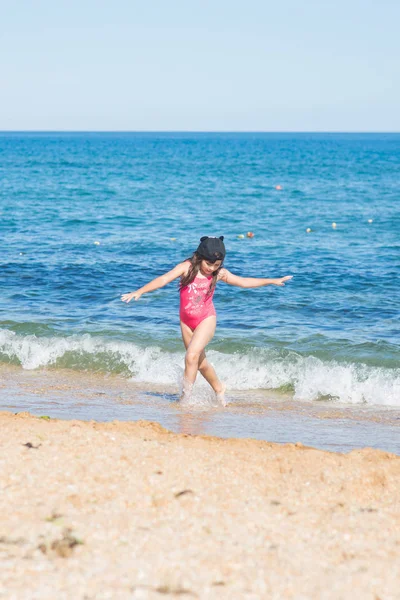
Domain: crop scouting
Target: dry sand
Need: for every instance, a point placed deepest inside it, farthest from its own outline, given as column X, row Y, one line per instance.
column 129, row 510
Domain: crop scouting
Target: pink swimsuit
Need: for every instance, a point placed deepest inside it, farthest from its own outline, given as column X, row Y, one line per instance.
column 195, row 304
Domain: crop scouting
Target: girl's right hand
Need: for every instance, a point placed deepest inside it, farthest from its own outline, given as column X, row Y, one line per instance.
column 128, row 297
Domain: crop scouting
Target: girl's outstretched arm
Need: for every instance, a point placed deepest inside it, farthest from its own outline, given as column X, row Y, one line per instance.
column 251, row 282
column 157, row 283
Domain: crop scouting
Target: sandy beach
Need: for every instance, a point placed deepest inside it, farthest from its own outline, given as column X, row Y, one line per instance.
column 129, row 510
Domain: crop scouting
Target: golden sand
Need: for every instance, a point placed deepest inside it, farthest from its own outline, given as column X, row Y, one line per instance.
column 130, row 510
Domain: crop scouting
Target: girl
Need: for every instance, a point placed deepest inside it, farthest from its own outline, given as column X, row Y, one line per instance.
column 199, row 276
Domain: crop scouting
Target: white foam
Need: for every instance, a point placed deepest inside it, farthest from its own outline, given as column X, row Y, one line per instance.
column 309, row 377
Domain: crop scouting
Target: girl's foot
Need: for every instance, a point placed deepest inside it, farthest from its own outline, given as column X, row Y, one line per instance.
column 221, row 396
column 187, row 388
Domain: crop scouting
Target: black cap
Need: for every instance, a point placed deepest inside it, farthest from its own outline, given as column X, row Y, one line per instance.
column 212, row 248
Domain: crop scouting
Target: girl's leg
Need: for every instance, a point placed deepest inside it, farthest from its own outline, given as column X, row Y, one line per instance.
column 196, row 356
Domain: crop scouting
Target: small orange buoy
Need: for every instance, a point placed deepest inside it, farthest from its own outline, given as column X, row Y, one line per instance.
column 250, row 234
column 278, row 187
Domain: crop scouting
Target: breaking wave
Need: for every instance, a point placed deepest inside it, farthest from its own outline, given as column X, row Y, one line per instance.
column 306, row 377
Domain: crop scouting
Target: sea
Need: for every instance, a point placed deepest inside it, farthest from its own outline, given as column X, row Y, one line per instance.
column 87, row 217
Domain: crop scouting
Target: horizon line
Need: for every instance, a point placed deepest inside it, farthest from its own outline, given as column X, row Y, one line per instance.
column 204, row 131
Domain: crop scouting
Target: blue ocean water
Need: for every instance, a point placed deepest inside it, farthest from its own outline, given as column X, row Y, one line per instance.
column 86, row 217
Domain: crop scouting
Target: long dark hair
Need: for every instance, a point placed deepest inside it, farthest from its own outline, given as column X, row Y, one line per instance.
column 195, row 264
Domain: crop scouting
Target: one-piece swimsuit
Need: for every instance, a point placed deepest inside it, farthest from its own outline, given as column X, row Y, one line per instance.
column 195, row 304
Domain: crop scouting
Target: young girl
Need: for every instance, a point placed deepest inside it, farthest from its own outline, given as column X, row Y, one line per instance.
column 199, row 276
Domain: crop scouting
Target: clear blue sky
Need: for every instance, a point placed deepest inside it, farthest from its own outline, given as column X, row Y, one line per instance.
column 224, row 65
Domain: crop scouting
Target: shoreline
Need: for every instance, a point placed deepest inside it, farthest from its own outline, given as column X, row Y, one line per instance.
column 131, row 510
column 257, row 414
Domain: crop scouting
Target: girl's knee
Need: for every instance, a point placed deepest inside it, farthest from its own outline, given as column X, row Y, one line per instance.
column 203, row 365
column 192, row 357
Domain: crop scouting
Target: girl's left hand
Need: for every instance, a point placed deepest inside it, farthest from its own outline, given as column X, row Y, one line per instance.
column 281, row 280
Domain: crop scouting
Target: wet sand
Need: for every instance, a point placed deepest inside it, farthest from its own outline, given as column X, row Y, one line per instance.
column 129, row 510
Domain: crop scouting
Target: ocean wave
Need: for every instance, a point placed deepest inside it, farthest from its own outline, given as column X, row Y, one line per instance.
column 306, row 377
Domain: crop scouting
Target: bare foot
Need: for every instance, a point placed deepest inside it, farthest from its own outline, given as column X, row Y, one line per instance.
column 187, row 388
column 221, row 396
